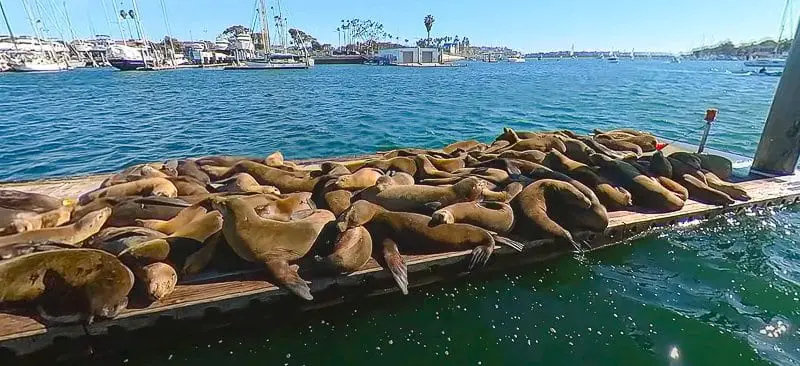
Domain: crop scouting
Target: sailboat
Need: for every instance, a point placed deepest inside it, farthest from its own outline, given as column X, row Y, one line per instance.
column 43, row 60
column 612, row 58
column 266, row 59
column 775, row 62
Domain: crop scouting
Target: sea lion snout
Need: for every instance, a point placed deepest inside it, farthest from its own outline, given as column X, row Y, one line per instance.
column 109, row 311
column 442, row 217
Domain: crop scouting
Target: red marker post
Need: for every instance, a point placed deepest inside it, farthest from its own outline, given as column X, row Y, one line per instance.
column 711, row 117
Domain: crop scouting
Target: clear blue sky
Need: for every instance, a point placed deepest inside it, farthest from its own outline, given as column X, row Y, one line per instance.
column 527, row 25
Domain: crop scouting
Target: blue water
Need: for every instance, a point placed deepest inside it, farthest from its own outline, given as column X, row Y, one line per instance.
column 704, row 291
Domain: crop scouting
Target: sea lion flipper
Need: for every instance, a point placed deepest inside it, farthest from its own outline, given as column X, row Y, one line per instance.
column 433, row 206
column 396, row 264
column 513, row 244
column 288, row 277
column 480, row 255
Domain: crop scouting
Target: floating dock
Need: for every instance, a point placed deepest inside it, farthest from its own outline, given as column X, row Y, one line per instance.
column 195, row 298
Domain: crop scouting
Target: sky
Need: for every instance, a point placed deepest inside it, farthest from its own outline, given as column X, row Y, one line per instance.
column 524, row 25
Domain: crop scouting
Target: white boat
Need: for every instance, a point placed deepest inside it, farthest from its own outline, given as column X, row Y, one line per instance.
column 675, row 60
column 127, row 58
column 768, row 62
column 39, row 64
column 516, row 59
column 612, row 58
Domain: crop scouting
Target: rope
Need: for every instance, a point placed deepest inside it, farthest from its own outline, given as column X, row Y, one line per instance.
column 684, row 136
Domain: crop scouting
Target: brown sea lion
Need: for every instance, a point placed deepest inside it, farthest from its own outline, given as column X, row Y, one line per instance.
column 463, row 145
column 533, row 156
column 533, row 204
column 273, row 243
column 18, row 221
column 646, row 192
column 188, row 186
column 352, row 250
column 410, row 233
column 71, row 234
column 283, row 208
column 28, row 201
column 497, row 217
column 401, row 164
column 673, row 187
column 660, row 165
column 157, row 279
column 614, row 198
column 286, row 182
column 333, row 199
column 174, row 224
column 505, row 195
column 175, row 248
column 646, row 142
column 128, row 210
column 733, row 190
column 190, row 168
column 618, row 145
column 426, row 170
column 274, row 160
column 512, row 136
column 447, row 165
column 577, row 150
column 418, row 198
column 361, row 179
column 144, row 187
column 720, row 166
column 602, row 149
column 88, row 282
column 243, row 182
column 623, row 132
column 701, row 192
column 223, row 160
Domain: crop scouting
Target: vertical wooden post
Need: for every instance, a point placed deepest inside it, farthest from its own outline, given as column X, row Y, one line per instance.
column 779, row 147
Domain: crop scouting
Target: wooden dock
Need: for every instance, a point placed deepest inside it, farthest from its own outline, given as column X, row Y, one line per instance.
column 197, row 297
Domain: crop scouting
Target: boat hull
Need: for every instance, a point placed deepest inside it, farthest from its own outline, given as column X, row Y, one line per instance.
column 27, row 67
column 127, row 65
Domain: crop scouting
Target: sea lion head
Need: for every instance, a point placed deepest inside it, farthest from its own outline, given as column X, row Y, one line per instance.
column 443, row 216
column 274, row 160
column 507, row 135
column 470, row 188
column 359, row 213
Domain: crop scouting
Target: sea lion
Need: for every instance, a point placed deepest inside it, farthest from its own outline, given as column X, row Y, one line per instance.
column 645, row 191
column 733, row 190
column 426, row 170
column 145, row 187
column 537, row 199
column 71, row 234
column 401, row 164
column 128, row 210
column 158, row 279
column 174, row 224
column 467, row 145
column 687, row 158
column 352, row 250
column 418, row 198
column 701, row 192
column 720, row 166
column 361, row 179
column 496, row 176
column 136, row 172
column 673, row 187
column 410, row 233
column 541, row 143
column 512, row 136
column 505, row 195
column 19, row 221
column 243, row 182
column 533, row 156
column 647, row 143
column 614, row 198
column 625, row 132
column 660, row 165
column 91, row 282
column 188, row 186
column 497, row 217
column 274, row 160
column 602, row 149
column 286, row 182
column 619, row 145
column 175, row 248
column 223, row 160
column 447, row 164
column 28, row 201
column 273, row 243
column 510, row 166
column 333, row 199
column 283, row 208
column 190, row 168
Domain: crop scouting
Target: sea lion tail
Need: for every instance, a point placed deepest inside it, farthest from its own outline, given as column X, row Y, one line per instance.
column 395, row 264
column 480, row 255
column 513, row 244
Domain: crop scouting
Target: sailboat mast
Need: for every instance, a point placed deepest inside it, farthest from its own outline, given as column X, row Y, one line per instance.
column 8, row 26
column 264, row 28
column 33, row 25
column 783, row 26
column 119, row 23
column 140, row 30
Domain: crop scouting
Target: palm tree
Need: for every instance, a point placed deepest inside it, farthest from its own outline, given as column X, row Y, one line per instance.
column 339, row 32
column 429, row 24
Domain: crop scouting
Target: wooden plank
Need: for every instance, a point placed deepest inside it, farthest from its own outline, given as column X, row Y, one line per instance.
column 23, row 334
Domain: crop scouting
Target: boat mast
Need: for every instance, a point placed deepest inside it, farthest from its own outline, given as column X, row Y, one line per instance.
column 8, row 26
column 142, row 36
column 169, row 35
column 783, row 26
column 119, row 23
column 35, row 29
column 264, row 29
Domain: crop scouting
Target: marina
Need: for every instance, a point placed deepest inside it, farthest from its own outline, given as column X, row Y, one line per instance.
column 649, row 287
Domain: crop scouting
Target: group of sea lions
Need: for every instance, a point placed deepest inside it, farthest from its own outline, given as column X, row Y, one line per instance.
column 151, row 225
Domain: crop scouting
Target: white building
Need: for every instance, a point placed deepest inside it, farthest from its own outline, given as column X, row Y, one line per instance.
column 411, row 55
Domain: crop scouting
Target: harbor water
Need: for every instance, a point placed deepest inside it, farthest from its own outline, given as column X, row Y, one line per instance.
column 723, row 291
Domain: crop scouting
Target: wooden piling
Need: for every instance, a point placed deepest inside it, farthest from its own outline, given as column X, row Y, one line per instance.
column 779, row 147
